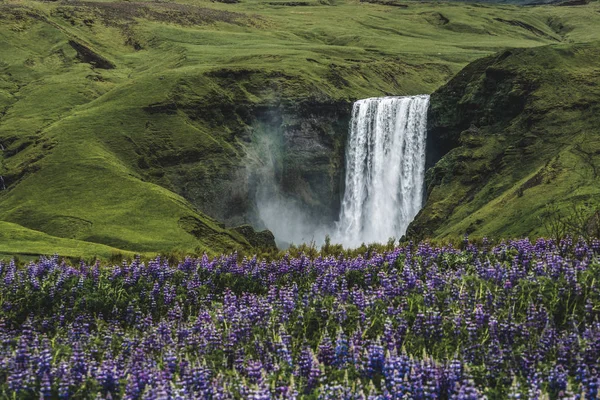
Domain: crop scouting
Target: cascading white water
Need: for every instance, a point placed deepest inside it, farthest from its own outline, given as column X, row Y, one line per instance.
column 385, row 169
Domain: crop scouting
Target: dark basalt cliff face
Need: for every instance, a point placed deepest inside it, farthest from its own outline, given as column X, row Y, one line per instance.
column 309, row 163
column 508, row 135
column 291, row 148
column 298, row 148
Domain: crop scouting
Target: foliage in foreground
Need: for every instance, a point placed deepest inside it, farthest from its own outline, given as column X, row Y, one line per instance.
column 420, row 322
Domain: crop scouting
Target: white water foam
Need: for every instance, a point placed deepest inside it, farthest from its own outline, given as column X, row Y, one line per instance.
column 385, row 169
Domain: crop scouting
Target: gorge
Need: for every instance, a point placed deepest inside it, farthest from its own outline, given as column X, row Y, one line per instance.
column 505, row 146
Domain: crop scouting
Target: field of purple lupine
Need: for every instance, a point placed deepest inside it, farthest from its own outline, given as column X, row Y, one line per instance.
column 518, row 319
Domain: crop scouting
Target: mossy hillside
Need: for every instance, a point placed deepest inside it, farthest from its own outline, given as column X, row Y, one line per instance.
column 23, row 242
column 111, row 112
column 523, row 129
column 100, row 198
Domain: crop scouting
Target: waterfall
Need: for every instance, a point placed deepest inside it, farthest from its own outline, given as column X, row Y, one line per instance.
column 385, row 169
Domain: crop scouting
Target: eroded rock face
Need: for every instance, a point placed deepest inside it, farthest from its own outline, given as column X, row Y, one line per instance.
column 478, row 103
column 263, row 239
column 309, row 161
column 293, row 151
column 295, row 167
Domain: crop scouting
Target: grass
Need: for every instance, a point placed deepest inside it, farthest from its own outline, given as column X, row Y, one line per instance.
column 26, row 243
column 500, row 183
column 120, row 157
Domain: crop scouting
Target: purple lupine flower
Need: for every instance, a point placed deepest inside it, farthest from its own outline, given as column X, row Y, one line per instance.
column 254, row 371
column 375, row 360
column 342, row 354
column 557, row 380
column 109, row 377
column 326, row 354
column 314, row 375
column 46, row 387
column 305, row 361
column 466, row 391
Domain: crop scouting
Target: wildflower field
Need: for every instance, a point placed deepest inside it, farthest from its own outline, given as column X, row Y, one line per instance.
column 518, row 319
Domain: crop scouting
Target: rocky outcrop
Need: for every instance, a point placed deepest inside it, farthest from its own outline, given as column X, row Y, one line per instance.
column 482, row 94
column 295, row 146
column 87, row 55
column 310, row 167
column 263, row 239
column 304, row 159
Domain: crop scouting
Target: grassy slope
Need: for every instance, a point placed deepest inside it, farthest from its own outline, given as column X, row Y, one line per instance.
column 498, row 181
column 16, row 240
column 84, row 147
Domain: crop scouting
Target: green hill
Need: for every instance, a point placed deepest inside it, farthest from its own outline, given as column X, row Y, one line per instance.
column 523, row 133
column 129, row 124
